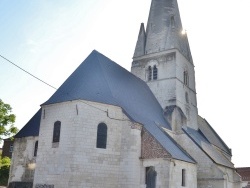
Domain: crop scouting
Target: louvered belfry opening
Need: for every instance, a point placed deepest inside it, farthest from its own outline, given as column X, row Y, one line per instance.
column 155, row 72
column 149, row 73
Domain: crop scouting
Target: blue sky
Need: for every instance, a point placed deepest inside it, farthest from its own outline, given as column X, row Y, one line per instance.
column 51, row 38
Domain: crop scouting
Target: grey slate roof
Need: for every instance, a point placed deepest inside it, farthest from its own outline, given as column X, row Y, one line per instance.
column 32, row 127
column 212, row 136
column 99, row 79
column 163, row 30
column 214, row 154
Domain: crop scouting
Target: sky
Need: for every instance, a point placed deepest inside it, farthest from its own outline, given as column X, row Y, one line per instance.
column 51, row 38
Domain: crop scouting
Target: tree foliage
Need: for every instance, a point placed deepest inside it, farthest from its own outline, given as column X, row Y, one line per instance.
column 4, row 170
column 7, row 119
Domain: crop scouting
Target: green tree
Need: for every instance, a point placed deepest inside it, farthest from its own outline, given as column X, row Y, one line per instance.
column 7, row 119
column 4, row 170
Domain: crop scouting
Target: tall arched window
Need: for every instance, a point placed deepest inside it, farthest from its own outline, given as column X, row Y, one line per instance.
column 155, row 72
column 56, row 132
column 35, row 149
column 149, row 73
column 101, row 141
column 186, row 79
column 172, row 22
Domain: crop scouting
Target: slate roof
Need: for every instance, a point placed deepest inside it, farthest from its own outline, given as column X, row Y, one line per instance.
column 212, row 136
column 245, row 174
column 198, row 137
column 32, row 127
column 99, row 79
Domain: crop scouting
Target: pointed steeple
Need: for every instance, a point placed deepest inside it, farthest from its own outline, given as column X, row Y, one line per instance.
column 165, row 63
column 140, row 45
column 164, row 29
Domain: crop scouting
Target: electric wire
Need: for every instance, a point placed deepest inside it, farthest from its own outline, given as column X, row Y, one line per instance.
column 41, row 79
column 106, row 111
column 27, row 72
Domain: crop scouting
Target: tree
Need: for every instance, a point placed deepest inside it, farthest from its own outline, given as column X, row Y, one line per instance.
column 4, row 170
column 7, row 119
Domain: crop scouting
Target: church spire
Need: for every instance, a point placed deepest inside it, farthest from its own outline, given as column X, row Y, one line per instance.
column 163, row 60
column 140, row 45
column 164, row 30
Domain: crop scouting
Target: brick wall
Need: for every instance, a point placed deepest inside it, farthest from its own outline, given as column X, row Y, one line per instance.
column 151, row 148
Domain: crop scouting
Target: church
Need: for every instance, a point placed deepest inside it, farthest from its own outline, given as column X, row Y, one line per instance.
column 106, row 127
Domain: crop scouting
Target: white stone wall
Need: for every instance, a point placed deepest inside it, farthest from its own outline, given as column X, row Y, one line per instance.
column 205, row 164
column 188, row 105
column 76, row 162
column 163, row 60
column 176, row 174
column 232, row 178
column 23, row 160
column 169, row 173
column 164, row 88
column 169, row 88
column 209, row 174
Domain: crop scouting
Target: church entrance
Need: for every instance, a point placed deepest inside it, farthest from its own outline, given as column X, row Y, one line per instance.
column 150, row 177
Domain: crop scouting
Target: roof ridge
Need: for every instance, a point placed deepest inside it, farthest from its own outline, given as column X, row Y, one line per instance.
column 97, row 54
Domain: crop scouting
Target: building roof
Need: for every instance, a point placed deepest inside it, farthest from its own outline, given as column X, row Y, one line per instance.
column 32, row 127
column 212, row 136
column 99, row 79
column 244, row 173
column 164, row 31
column 203, row 143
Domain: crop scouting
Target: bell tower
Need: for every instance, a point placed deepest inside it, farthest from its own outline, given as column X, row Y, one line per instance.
column 162, row 58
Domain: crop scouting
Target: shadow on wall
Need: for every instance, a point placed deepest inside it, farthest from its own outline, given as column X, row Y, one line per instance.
column 20, row 185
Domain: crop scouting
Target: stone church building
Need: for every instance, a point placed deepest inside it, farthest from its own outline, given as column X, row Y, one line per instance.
column 106, row 127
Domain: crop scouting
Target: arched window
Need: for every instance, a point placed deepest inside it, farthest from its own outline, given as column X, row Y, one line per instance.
column 149, row 73
column 186, row 79
column 172, row 22
column 155, row 72
column 101, row 141
column 56, row 132
column 35, row 149
column 150, row 177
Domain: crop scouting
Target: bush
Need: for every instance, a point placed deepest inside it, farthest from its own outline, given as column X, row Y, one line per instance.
column 4, row 170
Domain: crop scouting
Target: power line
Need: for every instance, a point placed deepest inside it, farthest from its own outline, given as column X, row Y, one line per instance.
column 27, row 72
column 49, row 84
column 42, row 80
